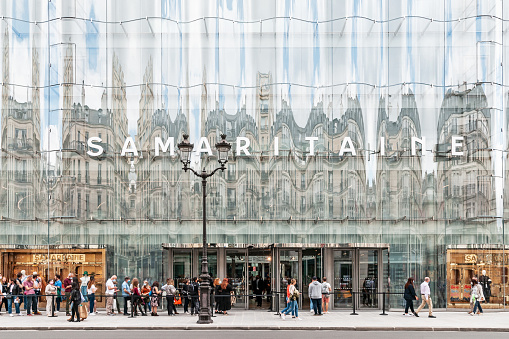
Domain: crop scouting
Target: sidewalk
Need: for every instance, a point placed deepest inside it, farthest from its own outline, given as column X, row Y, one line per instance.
column 262, row 320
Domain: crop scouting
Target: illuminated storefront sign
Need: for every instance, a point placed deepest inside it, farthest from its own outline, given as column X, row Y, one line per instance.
column 75, row 258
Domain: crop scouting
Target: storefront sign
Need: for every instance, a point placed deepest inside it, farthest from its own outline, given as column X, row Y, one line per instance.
column 77, row 258
column 470, row 258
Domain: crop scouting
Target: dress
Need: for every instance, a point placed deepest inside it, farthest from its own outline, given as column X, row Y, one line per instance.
column 154, row 298
column 225, row 300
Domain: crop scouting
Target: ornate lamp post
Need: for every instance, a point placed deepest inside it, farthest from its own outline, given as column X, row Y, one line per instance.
column 185, row 150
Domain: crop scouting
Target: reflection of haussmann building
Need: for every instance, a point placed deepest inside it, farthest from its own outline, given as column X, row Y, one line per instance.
column 300, row 89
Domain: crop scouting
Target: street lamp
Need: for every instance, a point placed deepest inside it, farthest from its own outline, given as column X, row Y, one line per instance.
column 185, row 150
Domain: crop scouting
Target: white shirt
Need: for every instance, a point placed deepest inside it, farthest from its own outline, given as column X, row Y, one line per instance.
column 425, row 289
column 84, row 280
column 110, row 284
column 91, row 290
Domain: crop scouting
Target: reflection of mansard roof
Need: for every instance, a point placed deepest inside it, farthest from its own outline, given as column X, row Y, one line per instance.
column 335, row 127
column 408, row 109
column 160, row 118
column 90, row 116
column 231, row 124
column 178, row 125
column 19, row 110
column 461, row 102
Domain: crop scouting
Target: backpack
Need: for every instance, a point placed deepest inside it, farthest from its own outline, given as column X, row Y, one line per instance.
column 325, row 288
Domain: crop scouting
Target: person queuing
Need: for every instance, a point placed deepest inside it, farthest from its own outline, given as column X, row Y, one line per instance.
column 171, row 291
column 50, row 292
column 76, row 300
column 185, row 295
column 58, row 285
column 194, row 288
column 126, row 293
column 136, row 298
column 224, row 296
column 111, row 288
column 84, row 283
column 91, row 289
column 37, row 291
column 31, row 305
column 67, row 290
column 154, row 298
column 14, row 291
column 214, row 290
column 145, row 296
column 3, row 287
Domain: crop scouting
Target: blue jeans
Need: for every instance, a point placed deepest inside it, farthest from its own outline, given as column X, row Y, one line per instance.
column 294, row 307
column 288, row 307
column 9, row 305
column 91, row 298
column 476, row 305
column 84, row 292
column 31, row 303
column 310, row 304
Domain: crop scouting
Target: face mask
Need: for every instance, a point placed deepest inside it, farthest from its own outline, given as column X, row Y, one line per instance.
column 128, row 281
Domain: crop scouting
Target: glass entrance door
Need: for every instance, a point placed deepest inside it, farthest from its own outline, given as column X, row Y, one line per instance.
column 368, row 277
column 343, row 278
column 289, row 269
column 311, row 267
column 182, row 265
column 236, row 272
column 259, row 274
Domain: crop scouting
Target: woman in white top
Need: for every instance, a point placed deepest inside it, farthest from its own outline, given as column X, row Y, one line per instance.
column 91, row 295
column 50, row 292
column 476, row 296
column 293, row 306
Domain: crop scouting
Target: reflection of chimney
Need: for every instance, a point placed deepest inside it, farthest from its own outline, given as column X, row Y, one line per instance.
column 104, row 102
column 83, row 94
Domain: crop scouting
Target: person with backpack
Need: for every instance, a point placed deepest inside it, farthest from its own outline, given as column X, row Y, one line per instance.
column 171, row 291
column 75, row 298
column 326, row 289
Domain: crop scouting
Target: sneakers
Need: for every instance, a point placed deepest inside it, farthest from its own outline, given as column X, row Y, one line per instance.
column 298, row 318
column 311, row 311
column 92, row 313
column 283, row 316
column 11, row 315
column 415, row 314
column 431, row 316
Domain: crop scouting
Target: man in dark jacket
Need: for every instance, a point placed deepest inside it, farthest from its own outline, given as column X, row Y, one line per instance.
column 194, row 287
column 258, row 287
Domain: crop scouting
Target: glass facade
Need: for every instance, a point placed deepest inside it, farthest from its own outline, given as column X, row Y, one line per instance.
column 367, row 122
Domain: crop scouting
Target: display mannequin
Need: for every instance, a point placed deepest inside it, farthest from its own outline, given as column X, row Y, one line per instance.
column 485, row 282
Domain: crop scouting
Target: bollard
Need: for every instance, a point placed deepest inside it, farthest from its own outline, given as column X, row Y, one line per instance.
column 52, row 306
column 383, row 305
column 353, row 304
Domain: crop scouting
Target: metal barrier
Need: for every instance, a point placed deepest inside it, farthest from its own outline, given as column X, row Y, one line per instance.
column 274, row 294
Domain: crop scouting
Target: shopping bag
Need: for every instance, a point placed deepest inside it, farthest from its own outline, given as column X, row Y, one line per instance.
column 178, row 301
column 83, row 311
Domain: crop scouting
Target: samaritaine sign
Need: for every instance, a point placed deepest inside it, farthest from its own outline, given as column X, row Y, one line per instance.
column 243, row 144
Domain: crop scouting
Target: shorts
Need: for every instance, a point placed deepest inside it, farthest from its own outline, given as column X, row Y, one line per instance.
column 325, row 298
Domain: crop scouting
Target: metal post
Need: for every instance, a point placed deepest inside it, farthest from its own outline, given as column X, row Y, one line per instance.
column 204, row 315
column 275, row 297
column 383, row 304
column 353, row 304
column 52, row 306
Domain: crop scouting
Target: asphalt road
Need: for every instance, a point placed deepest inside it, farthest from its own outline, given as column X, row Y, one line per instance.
column 248, row 334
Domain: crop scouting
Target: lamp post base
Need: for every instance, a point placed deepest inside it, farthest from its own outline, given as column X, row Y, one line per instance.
column 205, row 315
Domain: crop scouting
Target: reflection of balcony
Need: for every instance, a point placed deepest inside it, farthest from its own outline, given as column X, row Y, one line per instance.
column 20, row 176
column 20, row 144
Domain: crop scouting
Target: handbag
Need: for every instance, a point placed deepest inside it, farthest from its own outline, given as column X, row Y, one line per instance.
column 178, row 301
column 83, row 311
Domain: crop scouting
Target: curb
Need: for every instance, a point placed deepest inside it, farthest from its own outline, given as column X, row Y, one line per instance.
column 254, row 328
